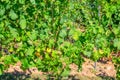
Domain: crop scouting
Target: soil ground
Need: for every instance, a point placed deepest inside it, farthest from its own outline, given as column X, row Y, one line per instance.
column 90, row 71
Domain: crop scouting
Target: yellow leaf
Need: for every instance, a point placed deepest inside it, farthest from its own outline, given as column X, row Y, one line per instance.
column 101, row 51
column 48, row 50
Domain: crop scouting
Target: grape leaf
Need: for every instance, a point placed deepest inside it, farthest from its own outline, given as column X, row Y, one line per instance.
column 23, row 23
column 30, row 51
column 13, row 15
column 33, row 1
column 22, row 1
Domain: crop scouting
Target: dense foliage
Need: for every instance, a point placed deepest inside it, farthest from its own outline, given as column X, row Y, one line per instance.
column 51, row 34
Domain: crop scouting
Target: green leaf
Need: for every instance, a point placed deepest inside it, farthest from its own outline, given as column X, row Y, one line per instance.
column 24, row 38
column 2, row 25
column 116, row 30
column 54, row 54
column 117, row 43
column 38, row 61
column 25, row 63
column 33, row 1
column 32, row 64
column 63, row 19
column 75, row 34
column 22, row 1
column 51, row 43
column 96, row 56
column 23, row 22
column 1, row 36
column 66, row 44
column 1, row 71
column 65, row 73
column 42, row 4
column 30, row 51
column 63, row 33
column 1, row 68
column 13, row 31
column 101, row 30
column 30, row 42
column 15, row 59
column 7, row 60
column 2, row 11
column 33, row 35
column 87, row 53
column 13, row 15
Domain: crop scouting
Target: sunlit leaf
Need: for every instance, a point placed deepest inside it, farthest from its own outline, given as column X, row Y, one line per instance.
column 65, row 73
column 2, row 11
column 13, row 15
column 23, row 22
column 22, row 1
column 87, row 53
column 33, row 1
column 63, row 33
column 33, row 35
column 1, row 36
column 30, row 51
column 117, row 43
